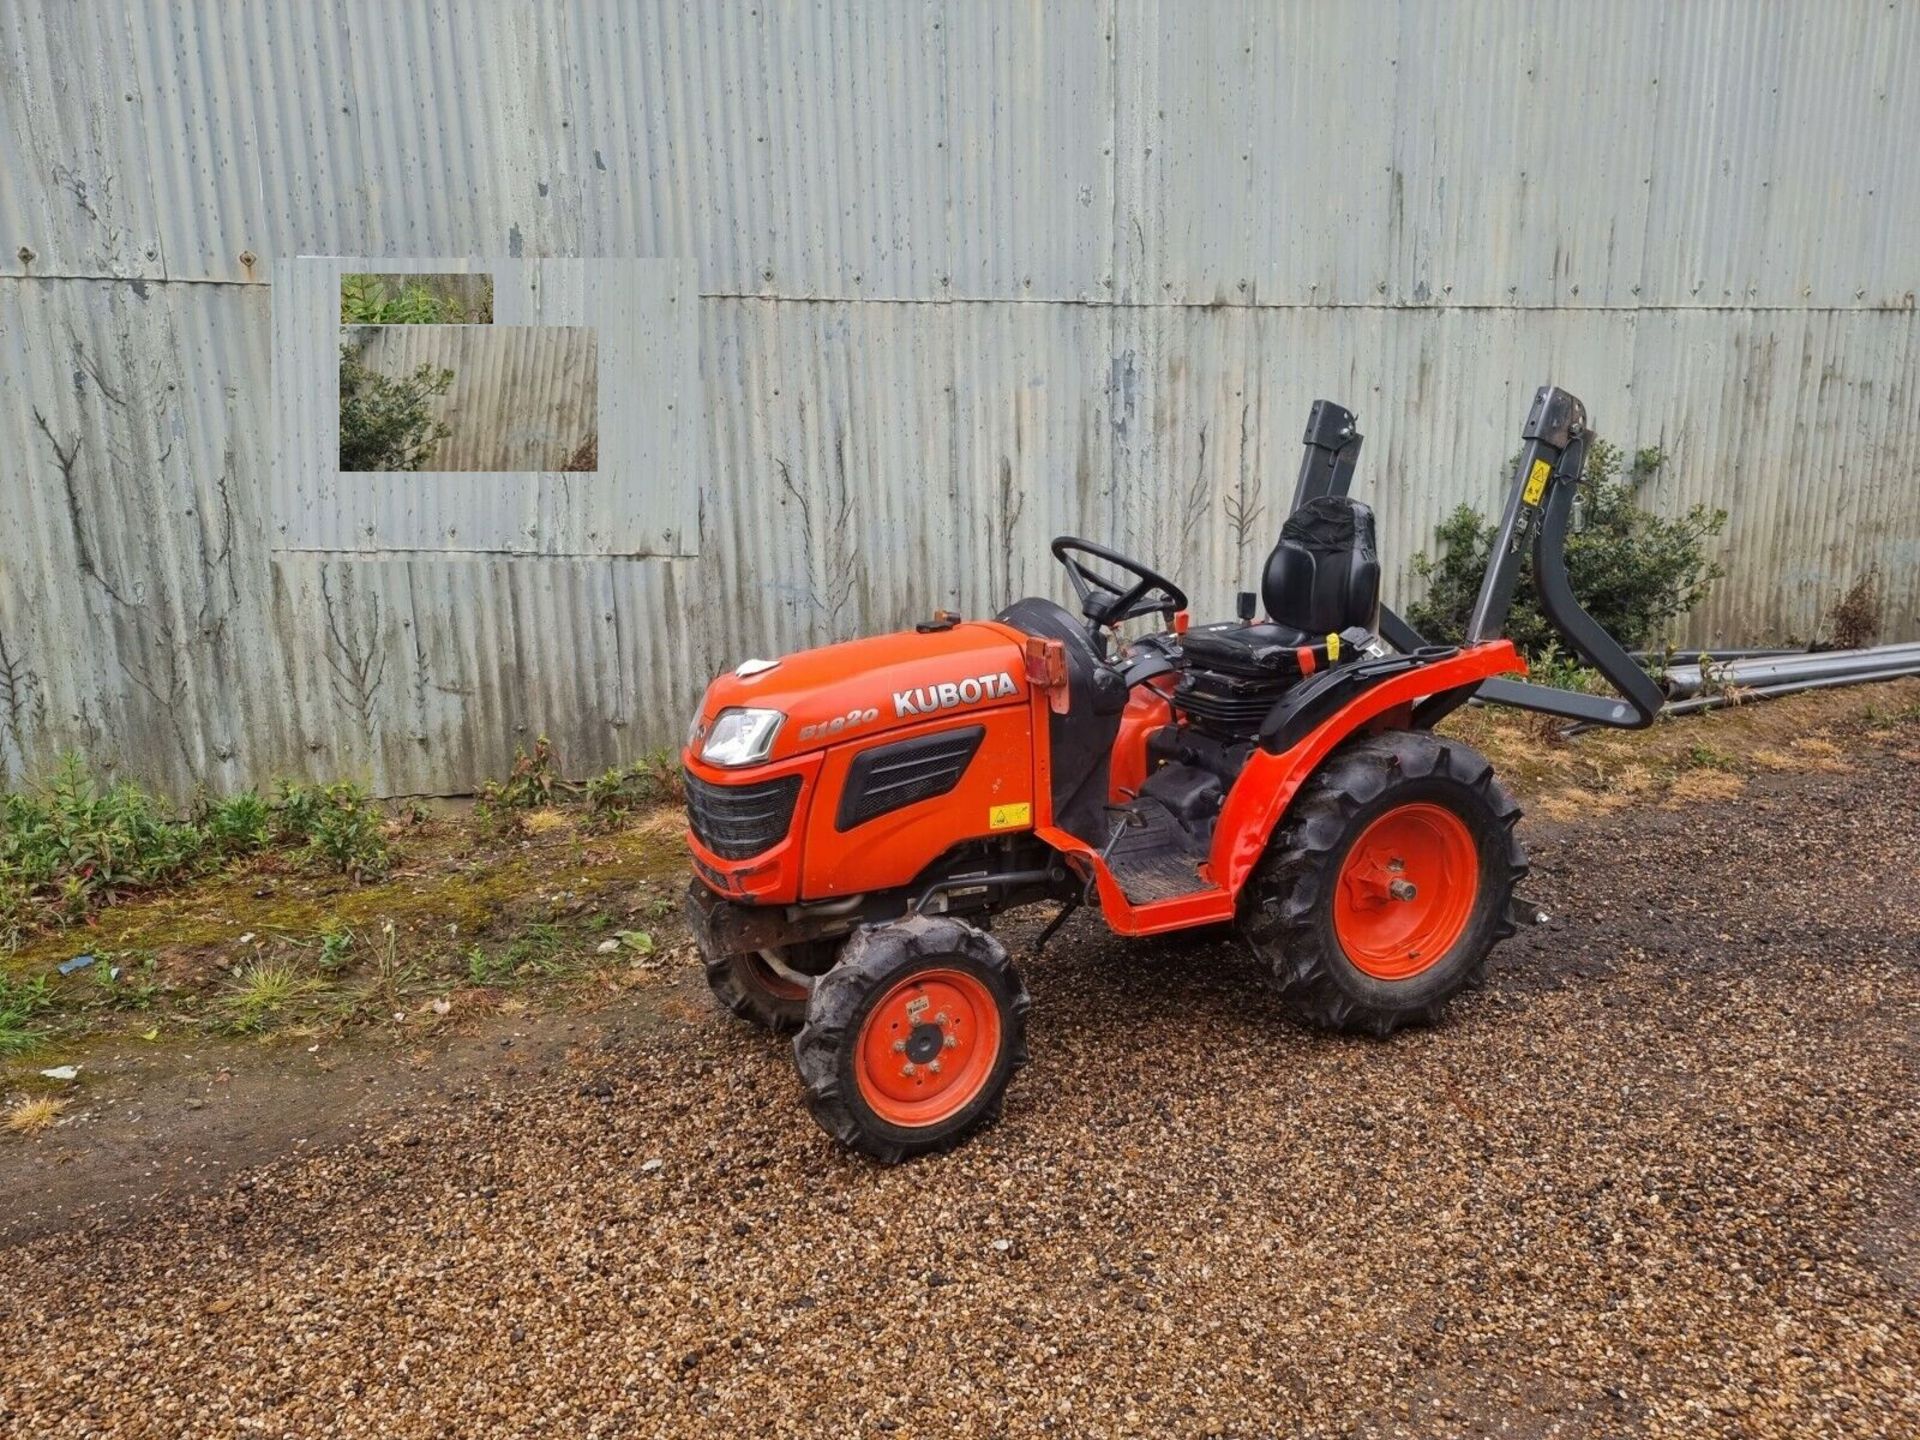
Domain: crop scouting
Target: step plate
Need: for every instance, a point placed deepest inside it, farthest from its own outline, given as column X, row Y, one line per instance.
column 1157, row 860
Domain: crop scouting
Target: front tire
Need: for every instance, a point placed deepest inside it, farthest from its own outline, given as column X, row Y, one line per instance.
column 911, row 1039
column 1387, row 883
column 752, row 989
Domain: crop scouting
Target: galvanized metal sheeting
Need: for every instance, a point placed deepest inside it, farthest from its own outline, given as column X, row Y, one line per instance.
column 972, row 274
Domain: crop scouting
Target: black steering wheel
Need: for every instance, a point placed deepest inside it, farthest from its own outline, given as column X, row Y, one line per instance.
column 1106, row 602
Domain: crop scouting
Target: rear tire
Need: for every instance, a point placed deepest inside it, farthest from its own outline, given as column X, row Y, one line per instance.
column 747, row 986
column 1386, row 884
column 911, row 1039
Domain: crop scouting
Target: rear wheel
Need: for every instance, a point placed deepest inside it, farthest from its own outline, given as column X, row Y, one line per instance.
column 911, row 1039
column 1387, row 883
column 770, row 987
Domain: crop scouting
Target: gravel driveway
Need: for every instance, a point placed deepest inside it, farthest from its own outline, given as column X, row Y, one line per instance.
column 1659, row 1177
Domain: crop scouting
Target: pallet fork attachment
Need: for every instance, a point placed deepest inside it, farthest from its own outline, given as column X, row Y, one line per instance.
column 1539, row 507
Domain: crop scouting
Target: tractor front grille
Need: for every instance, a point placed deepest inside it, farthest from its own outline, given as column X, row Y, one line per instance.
column 739, row 821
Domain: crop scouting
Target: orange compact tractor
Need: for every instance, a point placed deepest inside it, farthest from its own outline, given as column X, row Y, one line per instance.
column 860, row 813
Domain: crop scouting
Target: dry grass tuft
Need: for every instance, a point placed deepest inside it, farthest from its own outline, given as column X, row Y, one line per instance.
column 34, row 1114
column 542, row 822
column 1693, row 786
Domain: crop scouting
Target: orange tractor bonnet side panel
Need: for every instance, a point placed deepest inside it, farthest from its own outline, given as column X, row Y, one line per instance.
column 994, row 797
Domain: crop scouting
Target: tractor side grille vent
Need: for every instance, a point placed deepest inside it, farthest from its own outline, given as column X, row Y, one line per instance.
column 737, row 821
column 890, row 777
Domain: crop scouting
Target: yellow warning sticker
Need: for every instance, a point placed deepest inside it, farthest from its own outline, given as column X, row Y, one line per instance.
column 1536, row 482
column 1007, row 817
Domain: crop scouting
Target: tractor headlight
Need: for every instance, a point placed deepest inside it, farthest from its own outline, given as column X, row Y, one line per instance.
column 741, row 737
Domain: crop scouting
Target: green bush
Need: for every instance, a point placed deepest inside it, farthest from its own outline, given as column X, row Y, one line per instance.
column 529, row 785
column 1633, row 570
column 74, row 845
column 388, row 424
column 618, row 793
column 340, row 825
column 237, row 825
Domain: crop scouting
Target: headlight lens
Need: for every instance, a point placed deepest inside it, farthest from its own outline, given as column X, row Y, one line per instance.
column 741, row 737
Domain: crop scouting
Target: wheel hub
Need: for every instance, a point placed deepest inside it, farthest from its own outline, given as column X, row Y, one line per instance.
column 926, row 1042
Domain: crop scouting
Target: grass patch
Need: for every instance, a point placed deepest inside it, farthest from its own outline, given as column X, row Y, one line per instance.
column 263, row 993
column 77, row 844
column 21, row 1002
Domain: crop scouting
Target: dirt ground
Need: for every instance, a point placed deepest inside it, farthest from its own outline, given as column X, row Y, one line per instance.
column 1656, row 1178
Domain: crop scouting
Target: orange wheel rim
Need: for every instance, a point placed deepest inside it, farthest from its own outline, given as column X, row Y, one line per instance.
column 927, row 1048
column 773, row 982
column 1406, row 891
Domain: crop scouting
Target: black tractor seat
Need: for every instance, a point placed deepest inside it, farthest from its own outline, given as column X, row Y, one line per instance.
column 1322, row 580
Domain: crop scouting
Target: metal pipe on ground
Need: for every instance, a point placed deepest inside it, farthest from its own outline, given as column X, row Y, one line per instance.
column 1693, row 657
column 1790, row 687
column 1684, row 681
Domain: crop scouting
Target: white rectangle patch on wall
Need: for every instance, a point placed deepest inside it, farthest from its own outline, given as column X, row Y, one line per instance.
column 638, row 498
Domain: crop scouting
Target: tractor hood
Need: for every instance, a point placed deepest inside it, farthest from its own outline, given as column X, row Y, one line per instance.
column 867, row 687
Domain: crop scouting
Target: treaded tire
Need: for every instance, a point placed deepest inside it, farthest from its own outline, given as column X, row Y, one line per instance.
column 1288, row 915
column 875, row 965
column 744, row 986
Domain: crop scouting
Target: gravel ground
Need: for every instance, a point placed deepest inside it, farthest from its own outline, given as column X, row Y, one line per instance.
column 1658, row 1177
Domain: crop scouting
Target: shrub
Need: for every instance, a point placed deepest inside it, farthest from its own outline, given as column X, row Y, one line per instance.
column 1633, row 570
column 340, row 825
column 1855, row 617
column 75, row 845
column 529, row 785
column 237, row 825
column 617, row 793
column 387, row 423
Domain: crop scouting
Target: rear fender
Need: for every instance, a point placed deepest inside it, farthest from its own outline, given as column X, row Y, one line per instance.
column 1266, row 787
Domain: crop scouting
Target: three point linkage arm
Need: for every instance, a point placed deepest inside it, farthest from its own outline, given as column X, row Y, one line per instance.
column 1539, row 506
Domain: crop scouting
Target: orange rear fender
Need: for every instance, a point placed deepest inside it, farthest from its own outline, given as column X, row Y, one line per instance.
column 1266, row 787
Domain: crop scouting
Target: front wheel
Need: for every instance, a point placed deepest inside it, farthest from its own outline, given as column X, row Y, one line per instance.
column 769, row 988
column 911, row 1039
column 1387, row 883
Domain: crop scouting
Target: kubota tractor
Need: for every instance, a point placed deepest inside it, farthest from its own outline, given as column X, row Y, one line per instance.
column 859, row 813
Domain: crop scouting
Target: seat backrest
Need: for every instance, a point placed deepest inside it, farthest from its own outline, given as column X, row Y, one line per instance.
column 1324, row 575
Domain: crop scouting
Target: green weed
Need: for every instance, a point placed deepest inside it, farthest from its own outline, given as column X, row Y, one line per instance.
column 529, row 785
column 653, row 780
column 341, row 826
column 21, row 1000
column 263, row 992
column 132, row 984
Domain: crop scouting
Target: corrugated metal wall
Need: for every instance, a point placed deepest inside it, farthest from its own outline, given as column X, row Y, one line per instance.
column 970, row 273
